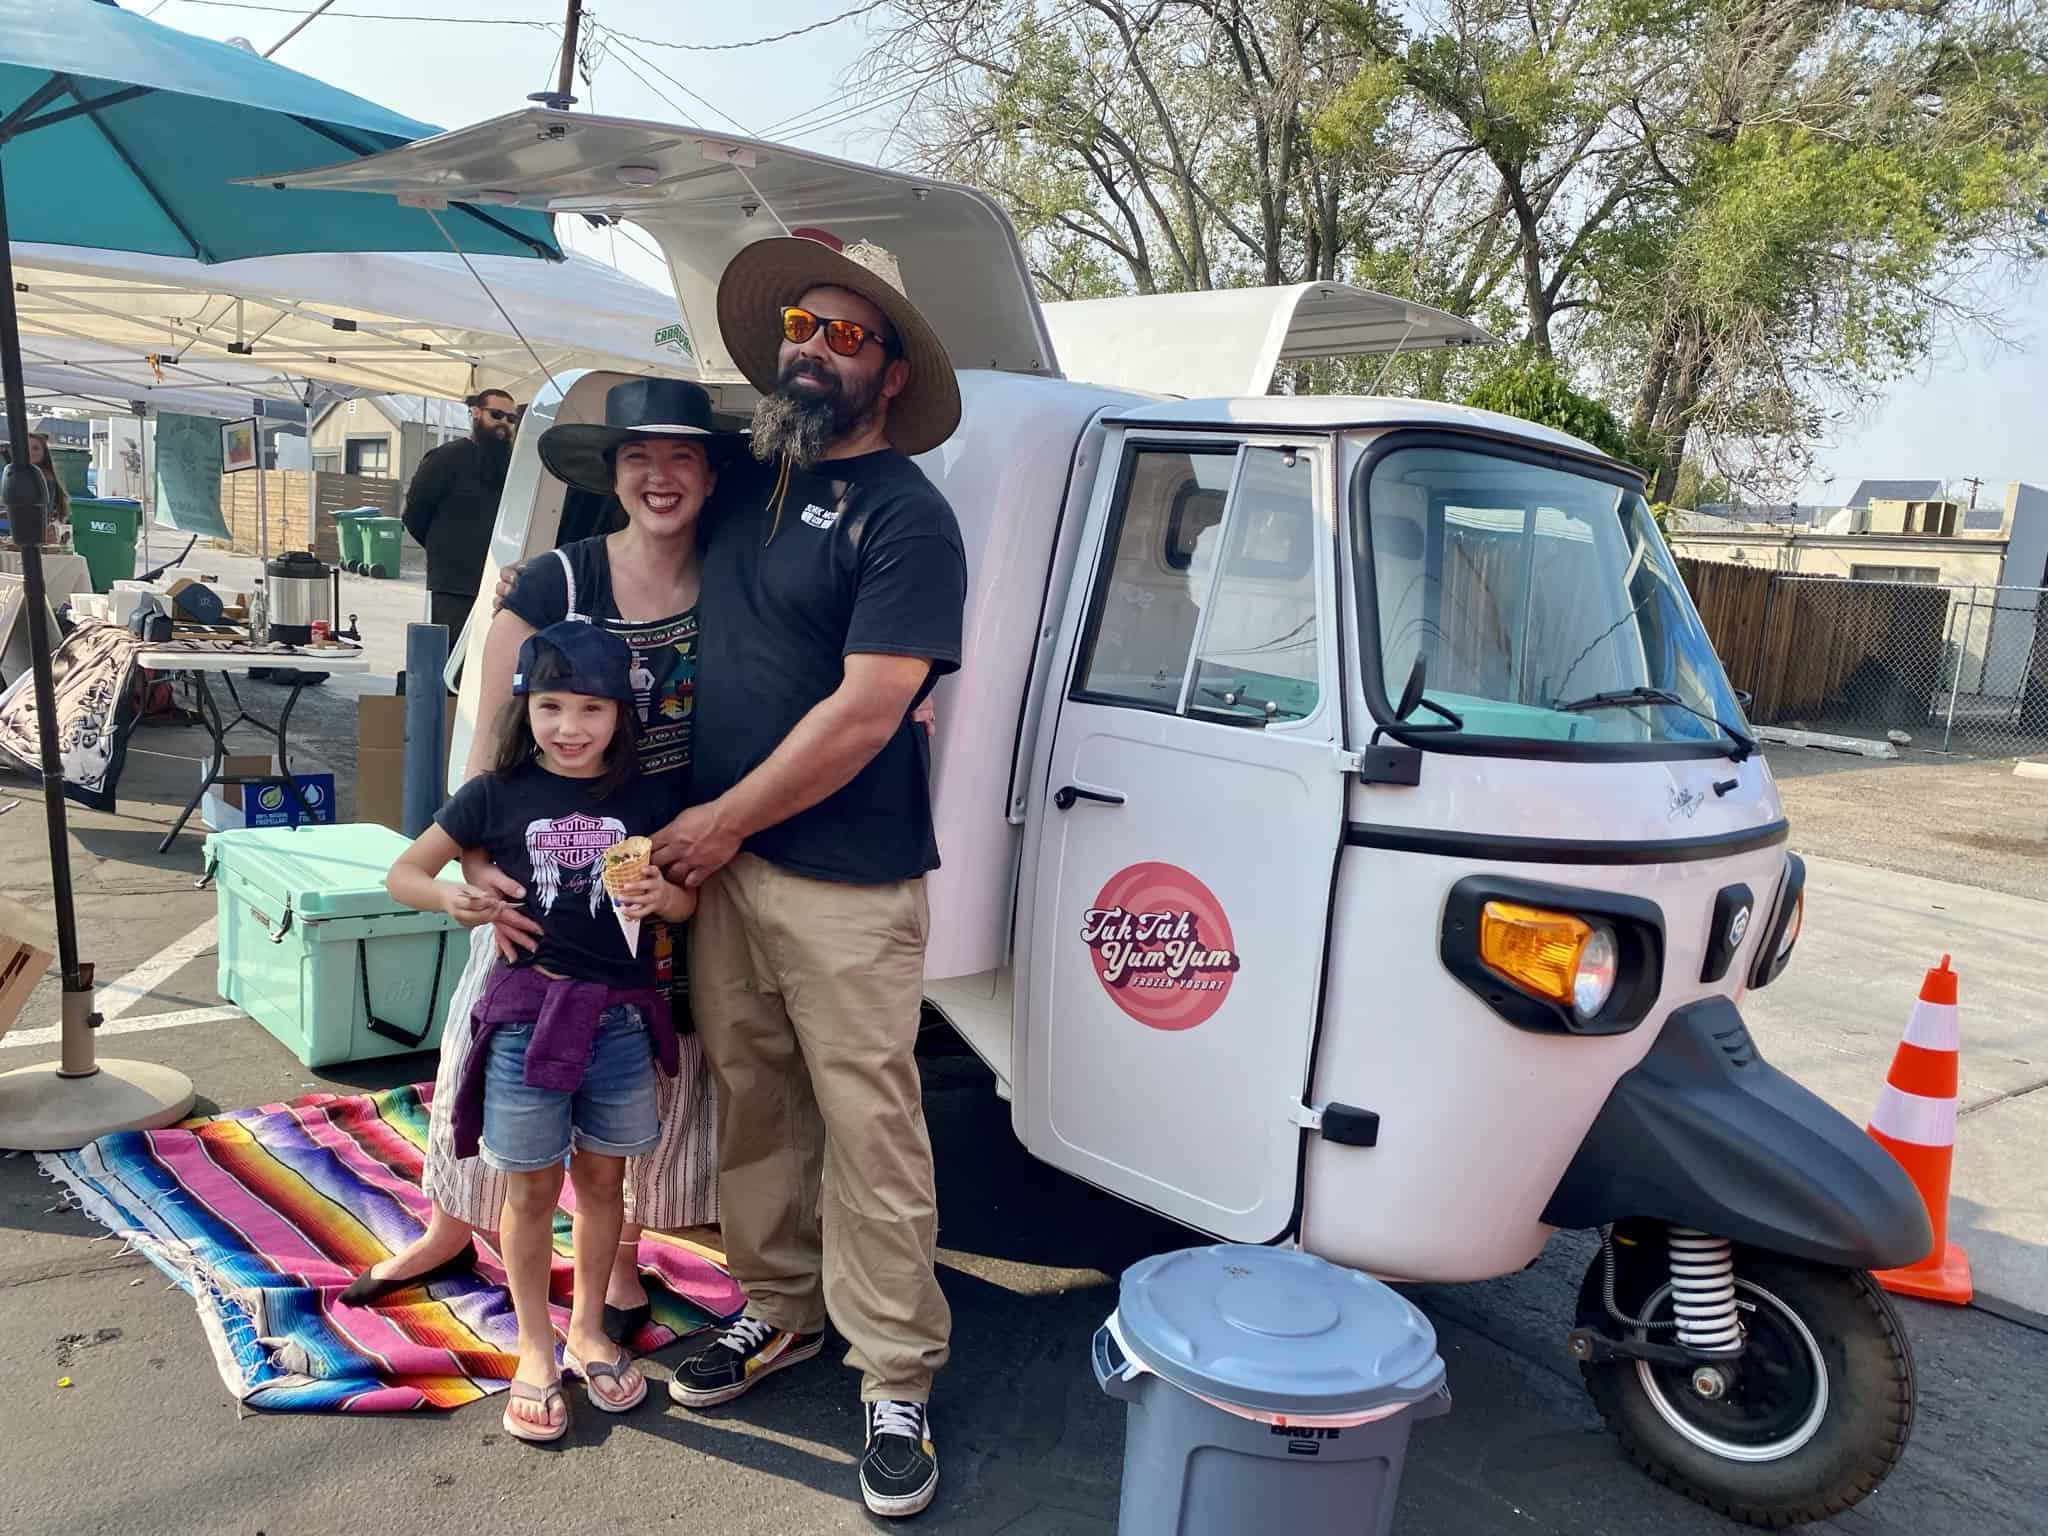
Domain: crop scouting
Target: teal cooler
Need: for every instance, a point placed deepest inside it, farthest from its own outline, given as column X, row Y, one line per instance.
column 314, row 949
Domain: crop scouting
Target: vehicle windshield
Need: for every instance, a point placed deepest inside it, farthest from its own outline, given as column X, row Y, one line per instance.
column 1524, row 589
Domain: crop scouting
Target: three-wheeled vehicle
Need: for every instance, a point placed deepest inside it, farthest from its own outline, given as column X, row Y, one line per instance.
column 1351, row 838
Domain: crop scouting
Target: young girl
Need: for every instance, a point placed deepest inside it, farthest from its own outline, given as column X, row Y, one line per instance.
column 561, row 1062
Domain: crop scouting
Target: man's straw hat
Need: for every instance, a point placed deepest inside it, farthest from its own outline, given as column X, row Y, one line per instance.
column 771, row 274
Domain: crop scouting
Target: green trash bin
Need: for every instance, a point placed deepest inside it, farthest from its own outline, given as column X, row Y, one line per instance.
column 103, row 532
column 348, row 536
column 383, row 541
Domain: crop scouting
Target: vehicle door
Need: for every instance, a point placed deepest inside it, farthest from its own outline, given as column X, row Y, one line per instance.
column 1180, row 856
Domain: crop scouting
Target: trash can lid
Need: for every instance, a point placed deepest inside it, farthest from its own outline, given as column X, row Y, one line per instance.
column 1276, row 1330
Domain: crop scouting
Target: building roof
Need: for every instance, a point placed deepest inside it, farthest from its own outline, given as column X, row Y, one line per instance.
column 402, row 410
column 1868, row 491
column 1760, row 512
column 1982, row 517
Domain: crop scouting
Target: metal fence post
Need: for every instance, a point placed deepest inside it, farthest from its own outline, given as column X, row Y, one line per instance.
column 1955, row 685
column 1962, row 660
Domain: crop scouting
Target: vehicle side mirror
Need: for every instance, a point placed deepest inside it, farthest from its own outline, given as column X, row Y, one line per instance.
column 1745, row 698
column 1411, row 691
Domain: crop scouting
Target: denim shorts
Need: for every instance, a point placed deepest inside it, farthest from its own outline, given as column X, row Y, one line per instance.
column 613, row 1110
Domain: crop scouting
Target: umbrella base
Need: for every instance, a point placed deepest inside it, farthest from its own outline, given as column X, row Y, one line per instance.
column 41, row 1111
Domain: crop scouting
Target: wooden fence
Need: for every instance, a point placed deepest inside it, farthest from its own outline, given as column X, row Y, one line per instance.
column 287, row 511
column 1809, row 648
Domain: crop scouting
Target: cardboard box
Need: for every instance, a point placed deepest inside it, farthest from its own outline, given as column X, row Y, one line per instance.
column 266, row 802
column 380, row 758
column 28, row 939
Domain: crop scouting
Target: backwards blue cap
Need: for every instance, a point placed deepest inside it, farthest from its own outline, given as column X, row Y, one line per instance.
column 597, row 661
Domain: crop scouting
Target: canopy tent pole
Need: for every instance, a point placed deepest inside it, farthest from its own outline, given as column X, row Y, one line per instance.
column 75, row 1099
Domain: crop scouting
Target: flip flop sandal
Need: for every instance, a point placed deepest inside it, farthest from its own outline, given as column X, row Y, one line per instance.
column 622, row 1325
column 547, row 1396
column 613, row 1371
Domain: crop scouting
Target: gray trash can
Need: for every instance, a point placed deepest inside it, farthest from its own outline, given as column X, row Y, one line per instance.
column 1268, row 1391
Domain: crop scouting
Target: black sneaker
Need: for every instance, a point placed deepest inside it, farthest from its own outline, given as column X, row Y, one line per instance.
column 745, row 1353
column 900, row 1472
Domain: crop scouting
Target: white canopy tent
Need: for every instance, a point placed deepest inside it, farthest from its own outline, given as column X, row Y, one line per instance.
column 1229, row 342
column 377, row 323
column 98, row 378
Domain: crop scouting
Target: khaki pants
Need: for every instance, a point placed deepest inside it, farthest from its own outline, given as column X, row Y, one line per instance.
column 807, row 996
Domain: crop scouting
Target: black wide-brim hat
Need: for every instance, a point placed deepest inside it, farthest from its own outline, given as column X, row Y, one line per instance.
column 580, row 453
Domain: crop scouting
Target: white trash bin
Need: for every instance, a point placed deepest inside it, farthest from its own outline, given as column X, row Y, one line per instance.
column 1268, row 1391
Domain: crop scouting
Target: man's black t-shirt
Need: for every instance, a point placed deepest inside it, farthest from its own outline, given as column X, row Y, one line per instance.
column 865, row 558
column 550, row 835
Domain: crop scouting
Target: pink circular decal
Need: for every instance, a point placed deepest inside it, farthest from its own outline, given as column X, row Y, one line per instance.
column 1161, row 946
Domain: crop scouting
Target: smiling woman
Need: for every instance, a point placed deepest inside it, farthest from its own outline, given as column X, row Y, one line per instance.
column 658, row 451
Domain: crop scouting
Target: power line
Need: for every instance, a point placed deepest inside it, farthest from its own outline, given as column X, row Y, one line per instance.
column 779, row 37
column 299, row 10
column 624, row 54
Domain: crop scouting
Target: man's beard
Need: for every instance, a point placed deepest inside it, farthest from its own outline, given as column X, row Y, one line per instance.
column 487, row 438
column 801, row 425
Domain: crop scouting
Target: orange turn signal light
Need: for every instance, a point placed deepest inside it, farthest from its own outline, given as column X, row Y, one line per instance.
column 1537, row 950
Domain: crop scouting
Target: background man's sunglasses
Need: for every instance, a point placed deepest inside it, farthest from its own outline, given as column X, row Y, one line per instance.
column 497, row 415
column 846, row 337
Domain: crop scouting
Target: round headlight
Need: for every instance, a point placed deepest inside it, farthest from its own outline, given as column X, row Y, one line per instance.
column 1791, row 936
column 1593, row 977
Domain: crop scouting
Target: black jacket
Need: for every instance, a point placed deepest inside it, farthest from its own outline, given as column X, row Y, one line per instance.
column 451, row 507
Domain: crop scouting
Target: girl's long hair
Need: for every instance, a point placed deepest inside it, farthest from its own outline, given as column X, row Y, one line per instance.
column 517, row 747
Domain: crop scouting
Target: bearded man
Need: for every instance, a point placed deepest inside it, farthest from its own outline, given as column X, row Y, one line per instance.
column 451, row 506
column 834, row 584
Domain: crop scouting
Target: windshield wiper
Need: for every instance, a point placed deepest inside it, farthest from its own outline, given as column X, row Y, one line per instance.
column 1623, row 698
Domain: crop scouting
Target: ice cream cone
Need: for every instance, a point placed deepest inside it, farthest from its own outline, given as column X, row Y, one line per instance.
column 625, row 862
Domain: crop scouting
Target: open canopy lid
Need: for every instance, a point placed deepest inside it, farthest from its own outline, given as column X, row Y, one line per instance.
column 703, row 196
column 1228, row 342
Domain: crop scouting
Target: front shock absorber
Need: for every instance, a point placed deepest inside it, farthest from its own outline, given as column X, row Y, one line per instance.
column 1703, row 1292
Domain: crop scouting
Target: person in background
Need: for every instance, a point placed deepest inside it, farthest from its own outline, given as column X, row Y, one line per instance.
column 452, row 505
column 60, row 499
column 567, row 1038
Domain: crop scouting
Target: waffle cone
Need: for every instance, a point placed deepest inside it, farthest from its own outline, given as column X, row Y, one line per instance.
column 625, row 862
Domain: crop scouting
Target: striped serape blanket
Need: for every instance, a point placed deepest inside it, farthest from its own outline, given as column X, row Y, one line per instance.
column 264, row 1216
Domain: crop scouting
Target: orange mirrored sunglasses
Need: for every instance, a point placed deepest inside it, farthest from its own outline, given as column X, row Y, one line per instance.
column 846, row 337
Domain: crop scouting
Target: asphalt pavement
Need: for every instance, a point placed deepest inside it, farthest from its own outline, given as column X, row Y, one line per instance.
column 147, row 1440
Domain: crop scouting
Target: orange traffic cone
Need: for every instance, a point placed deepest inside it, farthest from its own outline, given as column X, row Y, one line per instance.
column 1915, row 1121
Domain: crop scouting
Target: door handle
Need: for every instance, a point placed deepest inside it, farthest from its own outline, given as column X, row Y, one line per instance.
column 1067, row 795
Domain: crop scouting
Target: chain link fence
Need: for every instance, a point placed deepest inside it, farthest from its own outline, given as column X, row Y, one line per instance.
column 1951, row 668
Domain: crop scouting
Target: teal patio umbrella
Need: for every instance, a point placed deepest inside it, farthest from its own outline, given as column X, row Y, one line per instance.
column 120, row 134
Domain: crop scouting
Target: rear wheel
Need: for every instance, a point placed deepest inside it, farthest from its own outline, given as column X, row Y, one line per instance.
column 1806, row 1423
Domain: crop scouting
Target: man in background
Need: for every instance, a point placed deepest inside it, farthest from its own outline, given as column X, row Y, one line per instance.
column 452, row 505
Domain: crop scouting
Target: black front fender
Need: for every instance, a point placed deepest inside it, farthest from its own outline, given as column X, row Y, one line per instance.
column 1705, row 1133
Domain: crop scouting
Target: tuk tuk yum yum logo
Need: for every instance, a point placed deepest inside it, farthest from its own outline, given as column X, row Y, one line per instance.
column 1161, row 946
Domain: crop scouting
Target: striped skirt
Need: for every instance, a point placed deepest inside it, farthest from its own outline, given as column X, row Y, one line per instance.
column 674, row 1186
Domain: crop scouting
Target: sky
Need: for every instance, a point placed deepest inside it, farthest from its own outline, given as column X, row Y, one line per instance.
column 1977, row 408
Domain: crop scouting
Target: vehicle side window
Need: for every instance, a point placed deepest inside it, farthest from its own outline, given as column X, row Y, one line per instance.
column 1258, row 648
column 1141, row 629
column 1189, row 572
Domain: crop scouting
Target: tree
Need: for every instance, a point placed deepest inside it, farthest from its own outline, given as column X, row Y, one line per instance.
column 1532, row 387
column 1143, row 145
column 1745, row 214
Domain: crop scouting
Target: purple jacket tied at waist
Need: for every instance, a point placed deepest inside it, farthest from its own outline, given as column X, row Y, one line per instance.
column 564, row 1014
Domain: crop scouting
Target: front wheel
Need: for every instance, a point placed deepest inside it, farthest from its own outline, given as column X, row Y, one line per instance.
column 1808, row 1421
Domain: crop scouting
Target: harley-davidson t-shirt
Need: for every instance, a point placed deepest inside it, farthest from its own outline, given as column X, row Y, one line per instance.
column 550, row 834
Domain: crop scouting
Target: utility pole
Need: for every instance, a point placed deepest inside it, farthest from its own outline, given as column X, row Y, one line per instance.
column 304, row 22
column 559, row 98
column 1974, row 482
